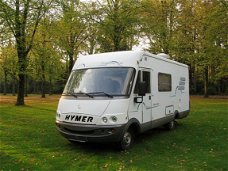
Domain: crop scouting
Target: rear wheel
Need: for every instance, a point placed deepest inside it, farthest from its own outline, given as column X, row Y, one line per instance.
column 170, row 125
column 127, row 140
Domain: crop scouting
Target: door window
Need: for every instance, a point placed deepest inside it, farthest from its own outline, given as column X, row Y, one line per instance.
column 143, row 76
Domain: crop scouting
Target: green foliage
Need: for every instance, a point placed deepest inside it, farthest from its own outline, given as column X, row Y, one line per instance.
column 117, row 24
column 198, row 143
column 20, row 17
column 192, row 32
column 8, row 68
column 44, row 59
column 8, row 61
column 158, row 24
column 69, row 30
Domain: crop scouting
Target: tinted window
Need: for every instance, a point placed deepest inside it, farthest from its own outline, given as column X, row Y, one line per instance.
column 164, row 82
column 146, row 78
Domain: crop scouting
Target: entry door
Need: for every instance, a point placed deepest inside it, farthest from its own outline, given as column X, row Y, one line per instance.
column 147, row 99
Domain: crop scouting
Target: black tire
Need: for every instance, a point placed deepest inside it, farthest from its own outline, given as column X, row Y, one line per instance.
column 170, row 125
column 127, row 140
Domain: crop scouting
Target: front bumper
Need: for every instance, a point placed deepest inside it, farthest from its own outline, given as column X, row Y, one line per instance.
column 90, row 133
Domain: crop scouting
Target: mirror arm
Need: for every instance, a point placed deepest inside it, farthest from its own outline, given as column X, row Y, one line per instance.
column 137, row 98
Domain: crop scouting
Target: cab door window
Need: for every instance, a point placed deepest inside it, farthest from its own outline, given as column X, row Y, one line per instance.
column 143, row 76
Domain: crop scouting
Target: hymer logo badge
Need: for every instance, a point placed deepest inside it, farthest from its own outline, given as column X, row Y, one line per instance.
column 78, row 118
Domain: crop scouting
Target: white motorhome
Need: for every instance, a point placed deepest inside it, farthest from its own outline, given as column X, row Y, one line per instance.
column 111, row 97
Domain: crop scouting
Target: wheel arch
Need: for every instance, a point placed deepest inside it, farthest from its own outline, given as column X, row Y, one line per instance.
column 134, row 125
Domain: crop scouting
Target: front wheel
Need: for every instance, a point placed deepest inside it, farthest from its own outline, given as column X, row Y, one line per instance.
column 126, row 140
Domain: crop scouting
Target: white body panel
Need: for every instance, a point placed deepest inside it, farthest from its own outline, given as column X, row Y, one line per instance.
column 156, row 105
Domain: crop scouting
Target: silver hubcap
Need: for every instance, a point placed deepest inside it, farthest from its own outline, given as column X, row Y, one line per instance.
column 127, row 139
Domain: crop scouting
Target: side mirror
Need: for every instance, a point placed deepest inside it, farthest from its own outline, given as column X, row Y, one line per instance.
column 142, row 88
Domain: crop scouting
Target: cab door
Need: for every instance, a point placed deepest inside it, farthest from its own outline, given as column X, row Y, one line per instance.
column 146, row 105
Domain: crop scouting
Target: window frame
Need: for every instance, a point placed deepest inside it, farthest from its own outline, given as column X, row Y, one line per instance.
column 170, row 82
column 140, row 78
column 128, row 93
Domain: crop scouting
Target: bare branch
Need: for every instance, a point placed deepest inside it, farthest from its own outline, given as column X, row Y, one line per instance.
column 17, row 21
column 25, row 15
column 5, row 10
column 38, row 18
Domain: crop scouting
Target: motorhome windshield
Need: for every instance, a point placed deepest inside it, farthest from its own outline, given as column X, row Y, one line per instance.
column 108, row 82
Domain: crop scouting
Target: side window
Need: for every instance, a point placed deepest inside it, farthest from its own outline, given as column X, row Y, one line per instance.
column 164, row 82
column 143, row 76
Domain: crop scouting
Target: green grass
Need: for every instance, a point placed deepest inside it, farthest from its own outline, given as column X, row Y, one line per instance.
column 29, row 141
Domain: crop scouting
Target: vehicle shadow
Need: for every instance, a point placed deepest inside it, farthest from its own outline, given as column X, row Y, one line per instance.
column 153, row 133
column 100, row 148
column 103, row 148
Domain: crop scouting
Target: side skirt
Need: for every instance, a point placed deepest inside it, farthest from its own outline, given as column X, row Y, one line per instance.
column 156, row 123
column 182, row 114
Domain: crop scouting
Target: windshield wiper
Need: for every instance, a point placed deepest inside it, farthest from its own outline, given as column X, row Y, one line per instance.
column 101, row 92
column 80, row 93
column 72, row 94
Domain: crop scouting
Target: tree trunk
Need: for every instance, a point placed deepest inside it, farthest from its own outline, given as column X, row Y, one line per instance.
column 43, row 79
column 21, row 86
column 22, row 67
column 17, row 20
column 117, row 27
column 206, row 82
column 5, row 83
column 34, row 86
column 191, row 75
column 43, row 89
column 50, row 86
column 13, row 87
column 71, row 62
column 195, row 80
column 218, row 88
column 26, row 86
column 21, row 51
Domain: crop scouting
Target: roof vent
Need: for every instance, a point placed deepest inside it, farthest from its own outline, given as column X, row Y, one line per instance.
column 164, row 55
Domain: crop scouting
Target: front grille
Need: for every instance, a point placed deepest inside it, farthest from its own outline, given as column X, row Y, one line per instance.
column 90, row 132
column 79, row 132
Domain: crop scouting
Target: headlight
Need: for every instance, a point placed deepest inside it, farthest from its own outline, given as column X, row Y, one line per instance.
column 104, row 119
column 113, row 118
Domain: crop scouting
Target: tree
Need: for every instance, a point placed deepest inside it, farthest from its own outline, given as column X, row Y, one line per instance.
column 185, row 39
column 90, row 45
column 8, row 64
column 22, row 17
column 158, row 24
column 45, row 63
column 117, row 24
column 42, row 52
column 217, row 37
column 69, row 30
column 211, row 38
